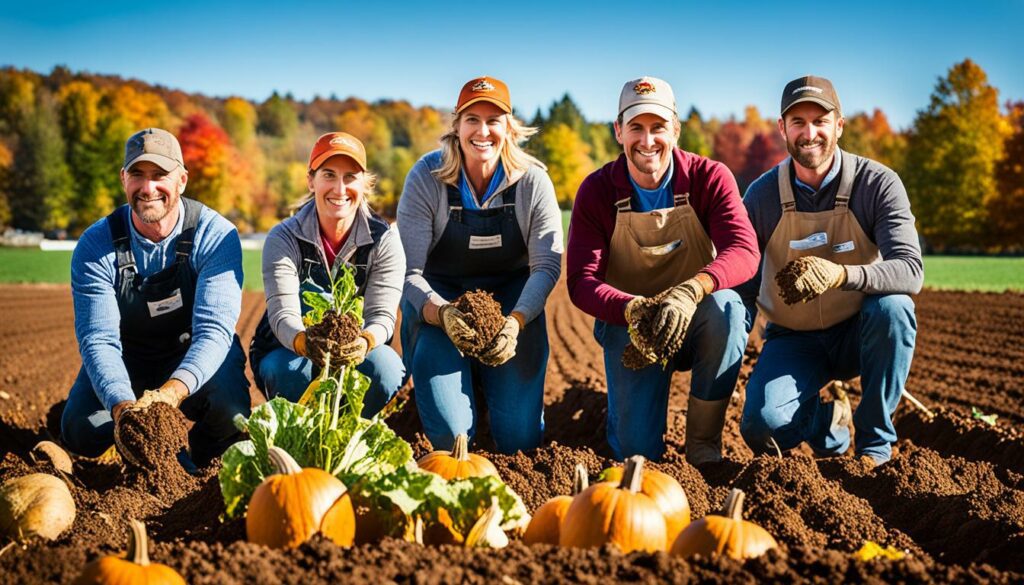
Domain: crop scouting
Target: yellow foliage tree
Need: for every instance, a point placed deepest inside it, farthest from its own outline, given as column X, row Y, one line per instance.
column 568, row 161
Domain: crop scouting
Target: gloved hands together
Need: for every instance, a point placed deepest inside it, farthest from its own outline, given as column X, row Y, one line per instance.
column 503, row 346
column 355, row 352
column 453, row 323
column 806, row 278
column 674, row 313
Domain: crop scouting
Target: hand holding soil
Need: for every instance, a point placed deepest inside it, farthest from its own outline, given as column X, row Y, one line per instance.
column 330, row 335
column 657, row 325
column 149, row 439
column 483, row 315
column 805, row 279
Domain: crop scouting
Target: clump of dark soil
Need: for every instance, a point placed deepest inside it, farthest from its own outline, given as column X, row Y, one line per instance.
column 150, row 440
column 541, row 474
column 643, row 351
column 327, row 336
column 483, row 314
column 952, row 433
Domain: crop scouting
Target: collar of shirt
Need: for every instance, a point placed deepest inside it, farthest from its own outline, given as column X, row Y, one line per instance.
column 837, row 162
column 469, row 200
column 651, row 199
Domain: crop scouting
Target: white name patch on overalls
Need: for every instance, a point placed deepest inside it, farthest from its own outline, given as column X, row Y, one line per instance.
column 484, row 242
column 162, row 307
column 811, row 241
column 844, row 247
column 662, row 249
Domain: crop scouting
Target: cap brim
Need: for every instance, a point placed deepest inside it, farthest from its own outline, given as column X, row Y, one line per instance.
column 166, row 163
column 657, row 109
column 823, row 103
column 323, row 158
column 504, row 107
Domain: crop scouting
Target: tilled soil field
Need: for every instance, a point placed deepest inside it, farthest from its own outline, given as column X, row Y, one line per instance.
column 952, row 497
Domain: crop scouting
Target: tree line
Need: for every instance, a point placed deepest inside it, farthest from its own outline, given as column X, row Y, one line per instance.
column 62, row 138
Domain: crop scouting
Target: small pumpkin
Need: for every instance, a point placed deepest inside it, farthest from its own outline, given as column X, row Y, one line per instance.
column 666, row 493
column 726, row 534
column 615, row 513
column 294, row 504
column 458, row 463
column 545, row 525
column 51, row 453
column 133, row 568
column 37, row 504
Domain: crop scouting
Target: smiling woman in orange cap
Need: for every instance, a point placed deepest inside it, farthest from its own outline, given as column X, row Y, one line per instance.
column 333, row 227
column 479, row 213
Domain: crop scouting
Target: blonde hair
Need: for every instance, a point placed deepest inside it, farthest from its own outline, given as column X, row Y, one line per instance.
column 370, row 180
column 513, row 157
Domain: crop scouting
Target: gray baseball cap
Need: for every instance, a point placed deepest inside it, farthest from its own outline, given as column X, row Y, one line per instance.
column 157, row 146
column 647, row 95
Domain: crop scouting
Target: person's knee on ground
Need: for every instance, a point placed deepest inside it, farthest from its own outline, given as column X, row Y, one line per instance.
column 88, row 435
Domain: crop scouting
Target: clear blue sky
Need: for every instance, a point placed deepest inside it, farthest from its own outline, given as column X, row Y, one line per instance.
column 719, row 55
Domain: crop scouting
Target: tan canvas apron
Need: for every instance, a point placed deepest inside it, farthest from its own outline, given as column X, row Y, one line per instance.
column 651, row 251
column 833, row 235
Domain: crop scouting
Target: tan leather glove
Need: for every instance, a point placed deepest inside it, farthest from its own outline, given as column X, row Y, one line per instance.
column 503, row 346
column 172, row 392
column 453, row 323
column 675, row 312
column 354, row 353
column 632, row 312
column 806, row 278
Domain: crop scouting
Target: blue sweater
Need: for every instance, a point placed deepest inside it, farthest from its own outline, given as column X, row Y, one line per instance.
column 217, row 259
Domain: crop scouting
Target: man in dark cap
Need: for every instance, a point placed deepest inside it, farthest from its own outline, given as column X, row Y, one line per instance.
column 157, row 292
column 839, row 257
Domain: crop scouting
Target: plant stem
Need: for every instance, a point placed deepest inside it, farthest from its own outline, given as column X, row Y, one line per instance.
column 138, row 544
column 632, row 476
column 580, row 480
column 734, row 504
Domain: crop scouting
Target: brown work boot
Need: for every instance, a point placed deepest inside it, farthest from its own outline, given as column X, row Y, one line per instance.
column 704, row 422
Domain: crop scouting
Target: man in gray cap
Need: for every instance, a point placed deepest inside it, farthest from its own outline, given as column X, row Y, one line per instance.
column 667, row 224
column 840, row 256
column 156, row 287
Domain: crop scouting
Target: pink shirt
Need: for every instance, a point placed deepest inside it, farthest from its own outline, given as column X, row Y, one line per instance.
column 715, row 199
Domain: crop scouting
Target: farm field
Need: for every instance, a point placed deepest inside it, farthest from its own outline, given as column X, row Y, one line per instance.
column 952, row 497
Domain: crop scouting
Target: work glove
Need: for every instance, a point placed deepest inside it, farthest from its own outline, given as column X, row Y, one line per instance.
column 503, row 347
column 806, row 278
column 353, row 354
column 453, row 323
column 168, row 394
column 674, row 313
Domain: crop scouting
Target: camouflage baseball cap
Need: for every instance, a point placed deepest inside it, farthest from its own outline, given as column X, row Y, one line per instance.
column 157, row 146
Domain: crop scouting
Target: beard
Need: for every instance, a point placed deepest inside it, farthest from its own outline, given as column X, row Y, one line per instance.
column 813, row 160
column 647, row 165
column 155, row 210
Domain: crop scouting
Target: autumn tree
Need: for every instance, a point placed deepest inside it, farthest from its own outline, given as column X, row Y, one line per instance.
column 568, row 161
column 41, row 190
column 214, row 176
column 730, row 145
column 692, row 137
column 1006, row 208
column 871, row 136
column 277, row 117
column 766, row 150
column 953, row 150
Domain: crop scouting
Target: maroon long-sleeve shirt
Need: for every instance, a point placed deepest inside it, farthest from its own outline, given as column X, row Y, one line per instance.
column 715, row 199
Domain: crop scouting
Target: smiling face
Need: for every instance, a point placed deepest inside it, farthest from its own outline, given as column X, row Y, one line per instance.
column 811, row 134
column 647, row 140
column 483, row 127
column 338, row 186
column 151, row 191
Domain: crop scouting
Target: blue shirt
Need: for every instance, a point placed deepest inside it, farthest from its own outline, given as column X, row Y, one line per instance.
column 651, row 199
column 217, row 259
column 468, row 200
column 837, row 163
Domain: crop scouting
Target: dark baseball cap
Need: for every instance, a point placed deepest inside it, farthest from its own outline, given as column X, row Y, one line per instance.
column 811, row 88
column 157, row 146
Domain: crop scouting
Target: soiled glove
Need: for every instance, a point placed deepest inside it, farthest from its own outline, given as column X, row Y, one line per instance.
column 503, row 346
column 675, row 312
column 453, row 323
column 354, row 353
column 632, row 310
column 806, row 278
column 168, row 394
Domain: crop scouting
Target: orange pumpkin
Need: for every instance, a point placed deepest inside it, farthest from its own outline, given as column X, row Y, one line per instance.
column 666, row 493
column 544, row 526
column 133, row 568
column 458, row 463
column 728, row 534
column 613, row 513
column 294, row 504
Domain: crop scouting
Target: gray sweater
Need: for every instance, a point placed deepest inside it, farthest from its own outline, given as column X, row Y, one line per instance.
column 879, row 203
column 282, row 257
column 423, row 216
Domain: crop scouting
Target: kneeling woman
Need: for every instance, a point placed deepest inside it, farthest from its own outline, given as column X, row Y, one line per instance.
column 479, row 213
column 332, row 228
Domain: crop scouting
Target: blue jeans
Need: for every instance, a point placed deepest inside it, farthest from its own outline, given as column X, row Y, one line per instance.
column 638, row 399
column 87, row 428
column 287, row 374
column 514, row 391
column 782, row 394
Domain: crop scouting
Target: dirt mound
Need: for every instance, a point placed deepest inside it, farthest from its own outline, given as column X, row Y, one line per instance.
column 483, row 314
column 327, row 336
column 952, row 433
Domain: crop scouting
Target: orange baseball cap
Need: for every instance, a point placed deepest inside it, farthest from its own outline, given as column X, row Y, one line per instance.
column 334, row 143
column 484, row 89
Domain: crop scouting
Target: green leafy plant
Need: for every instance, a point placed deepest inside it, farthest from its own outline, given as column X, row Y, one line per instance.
column 342, row 298
column 985, row 418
